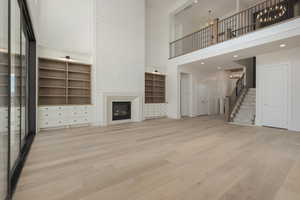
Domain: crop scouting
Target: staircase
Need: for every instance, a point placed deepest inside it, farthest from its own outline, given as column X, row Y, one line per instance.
column 245, row 109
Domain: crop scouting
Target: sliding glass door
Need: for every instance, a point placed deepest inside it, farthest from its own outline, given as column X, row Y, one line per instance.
column 24, row 87
column 15, row 83
column 17, row 92
column 4, row 98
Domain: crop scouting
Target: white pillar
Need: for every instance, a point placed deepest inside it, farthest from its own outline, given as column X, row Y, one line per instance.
column 173, row 91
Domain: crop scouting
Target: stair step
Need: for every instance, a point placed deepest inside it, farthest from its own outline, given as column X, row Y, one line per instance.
column 243, row 122
column 245, row 113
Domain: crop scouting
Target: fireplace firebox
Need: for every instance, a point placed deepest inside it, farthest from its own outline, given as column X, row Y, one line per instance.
column 121, row 111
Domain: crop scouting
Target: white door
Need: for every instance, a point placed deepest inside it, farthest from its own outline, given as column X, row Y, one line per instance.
column 274, row 86
column 202, row 100
column 185, row 94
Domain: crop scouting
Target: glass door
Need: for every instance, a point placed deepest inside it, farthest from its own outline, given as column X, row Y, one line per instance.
column 24, row 88
column 4, row 98
column 17, row 92
column 15, row 83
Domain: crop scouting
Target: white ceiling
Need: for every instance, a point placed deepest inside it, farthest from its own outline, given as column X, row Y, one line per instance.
column 198, row 12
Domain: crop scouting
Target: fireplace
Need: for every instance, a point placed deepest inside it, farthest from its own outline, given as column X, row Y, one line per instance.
column 121, row 111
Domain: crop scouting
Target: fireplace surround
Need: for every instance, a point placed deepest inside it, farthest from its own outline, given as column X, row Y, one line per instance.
column 107, row 100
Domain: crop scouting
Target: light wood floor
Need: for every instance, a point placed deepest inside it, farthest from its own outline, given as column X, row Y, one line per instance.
column 189, row 159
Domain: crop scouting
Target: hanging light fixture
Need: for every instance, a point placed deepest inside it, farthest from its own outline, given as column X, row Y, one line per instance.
column 210, row 20
column 272, row 13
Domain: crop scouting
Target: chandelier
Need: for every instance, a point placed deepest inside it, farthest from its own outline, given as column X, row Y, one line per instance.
column 272, row 13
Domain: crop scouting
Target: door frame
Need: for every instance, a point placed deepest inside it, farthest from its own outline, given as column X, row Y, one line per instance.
column 190, row 96
column 259, row 98
column 198, row 100
column 13, row 175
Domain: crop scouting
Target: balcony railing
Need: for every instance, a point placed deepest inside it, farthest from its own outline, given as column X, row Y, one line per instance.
column 259, row 16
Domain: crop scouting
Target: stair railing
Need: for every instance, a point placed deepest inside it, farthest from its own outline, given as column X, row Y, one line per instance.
column 231, row 101
column 261, row 15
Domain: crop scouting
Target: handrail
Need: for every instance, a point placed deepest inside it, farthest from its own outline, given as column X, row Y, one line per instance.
column 248, row 20
column 188, row 35
column 232, row 100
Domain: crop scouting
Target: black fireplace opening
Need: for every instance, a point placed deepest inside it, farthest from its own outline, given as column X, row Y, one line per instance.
column 121, row 111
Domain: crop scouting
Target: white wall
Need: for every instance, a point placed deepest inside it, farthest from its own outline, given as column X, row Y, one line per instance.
column 108, row 34
column 34, row 9
column 4, row 25
column 120, row 51
column 66, row 25
column 284, row 57
column 158, row 35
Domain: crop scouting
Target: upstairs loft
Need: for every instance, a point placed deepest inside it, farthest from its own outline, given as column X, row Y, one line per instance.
column 257, row 17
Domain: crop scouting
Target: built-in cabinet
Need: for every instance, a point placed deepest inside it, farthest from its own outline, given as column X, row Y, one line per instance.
column 64, row 116
column 155, row 88
column 64, row 93
column 63, row 82
column 155, row 110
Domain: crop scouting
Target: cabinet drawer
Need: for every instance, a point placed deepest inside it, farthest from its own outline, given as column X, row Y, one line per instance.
column 81, row 120
column 53, row 108
column 57, row 114
column 79, row 113
column 52, row 123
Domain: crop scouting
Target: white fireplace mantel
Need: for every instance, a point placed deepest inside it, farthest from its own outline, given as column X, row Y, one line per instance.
column 107, row 98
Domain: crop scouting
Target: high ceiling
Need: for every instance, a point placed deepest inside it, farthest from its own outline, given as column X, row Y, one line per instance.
column 198, row 13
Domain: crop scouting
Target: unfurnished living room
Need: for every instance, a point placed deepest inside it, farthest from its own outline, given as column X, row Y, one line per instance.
column 149, row 99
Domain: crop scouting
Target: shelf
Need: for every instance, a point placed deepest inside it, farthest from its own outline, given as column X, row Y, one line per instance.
column 59, row 77
column 81, row 96
column 79, row 88
column 56, row 87
column 81, row 80
column 78, row 72
column 52, row 95
column 51, row 105
column 54, row 78
column 155, row 88
column 48, row 69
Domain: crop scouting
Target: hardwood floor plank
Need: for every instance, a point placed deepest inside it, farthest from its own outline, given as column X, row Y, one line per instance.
column 190, row 159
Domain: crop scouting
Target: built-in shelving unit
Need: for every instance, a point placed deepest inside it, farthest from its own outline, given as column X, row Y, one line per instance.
column 64, row 82
column 4, row 79
column 155, row 88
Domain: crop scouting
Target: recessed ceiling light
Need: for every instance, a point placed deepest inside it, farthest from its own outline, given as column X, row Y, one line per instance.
column 202, row 63
column 236, row 56
column 283, row 45
column 195, row 1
